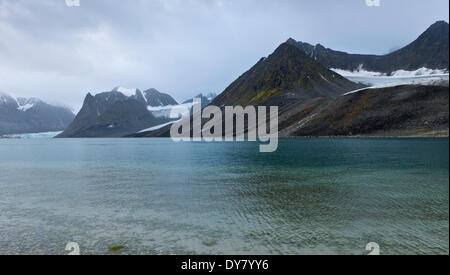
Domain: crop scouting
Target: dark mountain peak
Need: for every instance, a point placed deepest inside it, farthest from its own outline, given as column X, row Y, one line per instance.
column 286, row 48
column 117, row 113
column 438, row 30
column 155, row 98
column 285, row 75
column 291, row 41
column 429, row 50
column 298, row 49
column 320, row 46
column 152, row 91
column 442, row 24
column 435, row 35
column 112, row 114
column 89, row 98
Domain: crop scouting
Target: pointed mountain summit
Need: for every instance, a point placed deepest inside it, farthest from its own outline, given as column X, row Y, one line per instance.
column 287, row 74
column 155, row 98
column 117, row 113
column 430, row 50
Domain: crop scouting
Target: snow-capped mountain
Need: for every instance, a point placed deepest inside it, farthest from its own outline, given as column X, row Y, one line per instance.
column 119, row 112
column 31, row 115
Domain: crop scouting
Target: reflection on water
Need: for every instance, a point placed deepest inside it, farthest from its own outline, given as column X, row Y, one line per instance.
column 153, row 196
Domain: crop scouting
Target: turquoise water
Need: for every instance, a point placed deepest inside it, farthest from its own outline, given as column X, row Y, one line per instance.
column 153, row 196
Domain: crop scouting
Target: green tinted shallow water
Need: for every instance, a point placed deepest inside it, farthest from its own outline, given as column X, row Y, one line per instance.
column 153, row 196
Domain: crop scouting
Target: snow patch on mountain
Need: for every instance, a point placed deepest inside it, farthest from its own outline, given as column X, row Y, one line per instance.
column 157, row 127
column 420, row 72
column 126, row 91
column 166, row 111
column 384, row 82
column 361, row 72
column 25, row 107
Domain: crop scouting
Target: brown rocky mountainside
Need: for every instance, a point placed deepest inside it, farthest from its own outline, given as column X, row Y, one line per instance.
column 406, row 110
column 315, row 101
column 287, row 74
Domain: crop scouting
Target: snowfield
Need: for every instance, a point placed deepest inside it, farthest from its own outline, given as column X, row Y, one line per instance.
column 126, row 91
column 383, row 82
column 165, row 111
column 422, row 72
column 158, row 127
column 25, row 107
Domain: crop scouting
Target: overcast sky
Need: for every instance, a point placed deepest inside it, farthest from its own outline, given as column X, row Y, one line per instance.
column 183, row 47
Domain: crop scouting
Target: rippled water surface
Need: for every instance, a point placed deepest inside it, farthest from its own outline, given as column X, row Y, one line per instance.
column 153, row 196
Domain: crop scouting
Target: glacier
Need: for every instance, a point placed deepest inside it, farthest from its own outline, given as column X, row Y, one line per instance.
column 44, row 135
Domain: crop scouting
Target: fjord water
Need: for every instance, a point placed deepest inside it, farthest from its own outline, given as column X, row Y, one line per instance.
column 153, row 196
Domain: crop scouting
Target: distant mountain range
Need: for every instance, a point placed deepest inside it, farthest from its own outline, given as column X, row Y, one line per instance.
column 117, row 113
column 314, row 100
column 22, row 115
column 301, row 79
column 154, row 98
column 430, row 50
column 122, row 112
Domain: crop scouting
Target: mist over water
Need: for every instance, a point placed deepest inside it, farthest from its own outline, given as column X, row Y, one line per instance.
column 153, row 196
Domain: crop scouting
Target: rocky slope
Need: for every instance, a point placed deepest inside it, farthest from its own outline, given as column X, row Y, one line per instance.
column 21, row 115
column 406, row 110
column 286, row 75
column 155, row 98
column 315, row 101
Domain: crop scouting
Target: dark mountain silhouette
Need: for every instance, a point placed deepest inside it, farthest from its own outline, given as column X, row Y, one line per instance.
column 430, row 50
column 287, row 74
column 113, row 114
column 21, row 115
column 314, row 101
column 155, row 98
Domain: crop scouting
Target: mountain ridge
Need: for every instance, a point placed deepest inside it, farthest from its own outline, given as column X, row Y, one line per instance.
column 31, row 115
column 116, row 113
column 287, row 73
column 429, row 50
